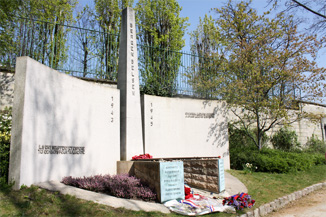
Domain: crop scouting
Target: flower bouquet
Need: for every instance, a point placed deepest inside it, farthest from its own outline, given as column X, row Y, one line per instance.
column 239, row 201
column 142, row 156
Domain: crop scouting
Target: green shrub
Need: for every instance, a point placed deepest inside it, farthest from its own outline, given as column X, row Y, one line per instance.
column 5, row 129
column 285, row 140
column 315, row 145
column 274, row 161
column 238, row 138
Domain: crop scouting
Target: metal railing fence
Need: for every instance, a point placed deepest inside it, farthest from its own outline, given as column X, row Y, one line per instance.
column 94, row 54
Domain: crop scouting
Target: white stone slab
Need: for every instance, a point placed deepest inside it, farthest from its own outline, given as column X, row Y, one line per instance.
column 171, row 181
column 179, row 127
column 62, row 126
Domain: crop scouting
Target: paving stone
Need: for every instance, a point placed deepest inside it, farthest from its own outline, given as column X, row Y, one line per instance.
column 250, row 214
column 277, row 203
column 267, row 208
column 256, row 213
column 292, row 197
column 319, row 186
column 262, row 211
column 273, row 206
column 286, row 200
column 299, row 194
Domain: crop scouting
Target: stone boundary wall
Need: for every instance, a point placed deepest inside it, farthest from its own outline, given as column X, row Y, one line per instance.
column 305, row 128
column 7, row 81
column 281, row 202
column 202, row 174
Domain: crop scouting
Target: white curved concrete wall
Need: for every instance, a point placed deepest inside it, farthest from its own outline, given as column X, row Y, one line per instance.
column 78, row 120
column 180, row 127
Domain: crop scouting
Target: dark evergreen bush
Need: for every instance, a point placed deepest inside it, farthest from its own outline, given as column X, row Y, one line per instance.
column 285, row 139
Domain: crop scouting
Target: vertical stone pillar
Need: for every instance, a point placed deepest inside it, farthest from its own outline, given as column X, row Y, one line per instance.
column 131, row 140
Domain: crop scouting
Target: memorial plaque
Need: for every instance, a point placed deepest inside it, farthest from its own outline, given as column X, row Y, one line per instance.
column 221, row 178
column 171, row 181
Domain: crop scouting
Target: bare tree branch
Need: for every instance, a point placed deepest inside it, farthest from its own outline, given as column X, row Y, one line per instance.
column 309, row 9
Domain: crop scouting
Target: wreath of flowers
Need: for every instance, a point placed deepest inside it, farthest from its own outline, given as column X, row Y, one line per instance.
column 239, row 201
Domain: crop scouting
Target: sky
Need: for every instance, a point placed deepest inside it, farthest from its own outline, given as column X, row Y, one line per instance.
column 194, row 9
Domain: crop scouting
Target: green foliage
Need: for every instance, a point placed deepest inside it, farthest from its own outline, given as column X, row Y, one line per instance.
column 108, row 16
column 285, row 139
column 43, row 40
column 205, row 44
column 274, row 161
column 315, row 145
column 5, row 129
column 7, row 10
column 160, row 32
column 242, row 138
column 260, row 61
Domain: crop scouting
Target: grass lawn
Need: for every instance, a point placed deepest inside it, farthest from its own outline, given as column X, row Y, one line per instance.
column 263, row 187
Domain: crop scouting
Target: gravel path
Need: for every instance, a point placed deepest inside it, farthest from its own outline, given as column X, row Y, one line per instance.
column 312, row 205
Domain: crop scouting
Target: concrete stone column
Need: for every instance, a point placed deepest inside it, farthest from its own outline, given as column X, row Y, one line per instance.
column 131, row 139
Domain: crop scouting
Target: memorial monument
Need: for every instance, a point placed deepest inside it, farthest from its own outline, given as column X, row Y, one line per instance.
column 63, row 126
column 131, row 140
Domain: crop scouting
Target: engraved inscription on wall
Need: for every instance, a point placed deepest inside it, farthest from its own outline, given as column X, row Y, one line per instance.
column 111, row 109
column 51, row 149
column 152, row 116
column 198, row 115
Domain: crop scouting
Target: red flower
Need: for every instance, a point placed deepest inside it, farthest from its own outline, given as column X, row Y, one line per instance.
column 142, row 156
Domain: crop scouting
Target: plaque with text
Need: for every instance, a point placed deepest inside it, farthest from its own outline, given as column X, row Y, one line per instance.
column 221, row 178
column 171, row 181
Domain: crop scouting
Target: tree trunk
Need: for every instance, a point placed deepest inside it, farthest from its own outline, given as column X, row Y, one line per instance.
column 259, row 131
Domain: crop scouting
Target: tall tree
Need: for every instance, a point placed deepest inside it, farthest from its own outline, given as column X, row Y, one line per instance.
column 8, row 9
column 266, row 62
column 160, row 36
column 85, row 39
column 39, row 31
column 108, row 15
column 207, row 51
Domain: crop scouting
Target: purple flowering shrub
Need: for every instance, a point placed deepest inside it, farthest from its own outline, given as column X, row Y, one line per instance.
column 123, row 186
